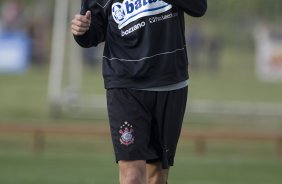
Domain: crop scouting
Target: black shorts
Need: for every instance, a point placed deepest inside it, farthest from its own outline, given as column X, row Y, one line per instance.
column 146, row 125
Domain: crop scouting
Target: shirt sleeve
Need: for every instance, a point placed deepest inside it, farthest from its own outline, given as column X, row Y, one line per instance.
column 195, row 8
column 97, row 31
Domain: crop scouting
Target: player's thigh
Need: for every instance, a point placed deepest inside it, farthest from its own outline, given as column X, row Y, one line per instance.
column 156, row 173
column 135, row 167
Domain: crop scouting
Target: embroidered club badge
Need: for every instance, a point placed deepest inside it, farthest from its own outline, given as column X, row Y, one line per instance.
column 126, row 131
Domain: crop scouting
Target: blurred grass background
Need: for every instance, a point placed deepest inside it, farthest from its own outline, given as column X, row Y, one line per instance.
column 90, row 160
column 85, row 159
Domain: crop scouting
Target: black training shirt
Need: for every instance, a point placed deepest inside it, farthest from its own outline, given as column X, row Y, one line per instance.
column 144, row 40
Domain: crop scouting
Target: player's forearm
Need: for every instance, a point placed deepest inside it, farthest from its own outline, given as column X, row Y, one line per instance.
column 83, row 40
column 90, row 38
column 195, row 8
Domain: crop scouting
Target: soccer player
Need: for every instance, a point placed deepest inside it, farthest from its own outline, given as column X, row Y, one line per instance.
column 145, row 70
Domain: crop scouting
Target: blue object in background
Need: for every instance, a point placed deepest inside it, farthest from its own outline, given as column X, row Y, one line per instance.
column 14, row 52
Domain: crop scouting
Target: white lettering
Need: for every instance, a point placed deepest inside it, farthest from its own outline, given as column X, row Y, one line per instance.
column 133, row 28
column 163, row 17
column 131, row 10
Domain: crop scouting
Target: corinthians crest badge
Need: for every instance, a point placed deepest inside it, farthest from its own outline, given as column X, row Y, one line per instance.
column 126, row 131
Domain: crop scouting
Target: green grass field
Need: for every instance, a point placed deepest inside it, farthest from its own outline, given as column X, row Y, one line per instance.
column 88, row 160
column 18, row 168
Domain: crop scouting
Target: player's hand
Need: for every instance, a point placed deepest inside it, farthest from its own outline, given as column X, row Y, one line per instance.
column 80, row 23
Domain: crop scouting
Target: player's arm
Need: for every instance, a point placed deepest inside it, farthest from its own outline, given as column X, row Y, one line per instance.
column 89, row 27
column 195, row 8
